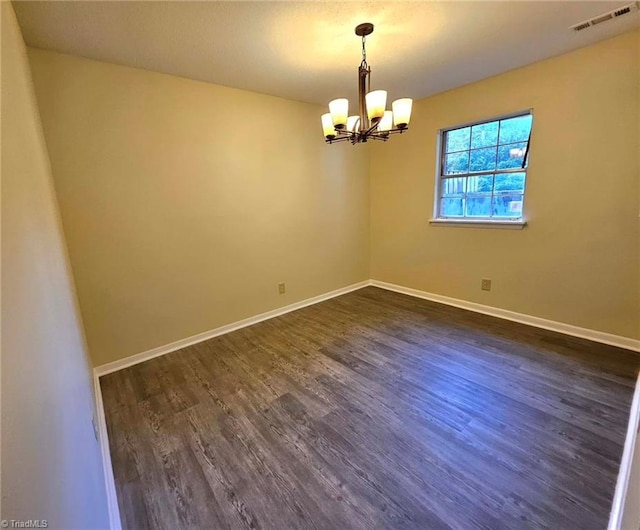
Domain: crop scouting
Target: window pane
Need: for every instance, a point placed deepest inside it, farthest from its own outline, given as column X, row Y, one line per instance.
column 457, row 140
column 507, row 206
column 515, row 129
column 453, row 186
column 452, row 207
column 510, row 182
column 479, row 207
column 484, row 135
column 456, row 163
column 482, row 184
column 511, row 156
column 483, row 159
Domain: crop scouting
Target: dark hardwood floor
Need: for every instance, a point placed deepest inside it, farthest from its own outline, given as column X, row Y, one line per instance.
column 372, row 410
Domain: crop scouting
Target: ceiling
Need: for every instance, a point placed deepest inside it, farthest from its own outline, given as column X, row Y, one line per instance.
column 308, row 51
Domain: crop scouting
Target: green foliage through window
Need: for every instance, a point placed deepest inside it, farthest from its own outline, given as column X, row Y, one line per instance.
column 484, row 168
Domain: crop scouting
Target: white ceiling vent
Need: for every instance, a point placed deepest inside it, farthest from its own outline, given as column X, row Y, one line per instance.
column 621, row 11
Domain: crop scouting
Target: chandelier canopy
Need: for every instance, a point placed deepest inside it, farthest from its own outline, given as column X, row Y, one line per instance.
column 373, row 121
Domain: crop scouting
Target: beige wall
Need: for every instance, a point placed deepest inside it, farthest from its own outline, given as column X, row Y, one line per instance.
column 51, row 466
column 184, row 204
column 577, row 260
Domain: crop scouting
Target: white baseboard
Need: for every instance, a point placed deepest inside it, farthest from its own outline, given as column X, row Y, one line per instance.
column 103, row 440
column 560, row 327
column 626, row 464
column 183, row 343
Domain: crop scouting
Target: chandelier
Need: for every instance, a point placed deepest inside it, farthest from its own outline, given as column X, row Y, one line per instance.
column 373, row 121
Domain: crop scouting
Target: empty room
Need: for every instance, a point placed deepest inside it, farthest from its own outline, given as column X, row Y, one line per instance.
column 320, row 265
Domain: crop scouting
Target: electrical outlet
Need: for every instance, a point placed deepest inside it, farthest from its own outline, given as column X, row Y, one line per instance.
column 281, row 288
column 485, row 285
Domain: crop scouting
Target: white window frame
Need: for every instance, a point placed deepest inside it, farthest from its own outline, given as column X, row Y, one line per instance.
column 480, row 222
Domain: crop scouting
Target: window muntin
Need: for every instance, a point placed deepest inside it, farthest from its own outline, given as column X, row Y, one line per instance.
column 483, row 169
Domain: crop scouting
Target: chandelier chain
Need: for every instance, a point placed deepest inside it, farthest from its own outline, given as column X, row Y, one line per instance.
column 364, row 52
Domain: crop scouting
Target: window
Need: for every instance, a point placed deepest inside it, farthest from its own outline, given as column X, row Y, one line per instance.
column 482, row 170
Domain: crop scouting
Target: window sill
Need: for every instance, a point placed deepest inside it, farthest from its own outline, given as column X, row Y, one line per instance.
column 471, row 223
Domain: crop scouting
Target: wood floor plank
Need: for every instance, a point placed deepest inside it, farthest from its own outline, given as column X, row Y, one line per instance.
column 373, row 410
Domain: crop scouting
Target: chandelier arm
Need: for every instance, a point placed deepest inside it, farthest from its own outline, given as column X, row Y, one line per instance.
column 337, row 139
column 342, row 133
column 362, row 136
column 371, row 129
column 385, row 134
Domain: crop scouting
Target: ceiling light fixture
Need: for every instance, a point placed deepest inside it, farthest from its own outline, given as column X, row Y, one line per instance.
column 374, row 121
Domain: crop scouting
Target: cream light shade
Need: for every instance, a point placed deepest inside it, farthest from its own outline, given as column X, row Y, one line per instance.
column 339, row 109
column 402, row 112
column 327, row 126
column 352, row 123
column 376, row 103
column 386, row 122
